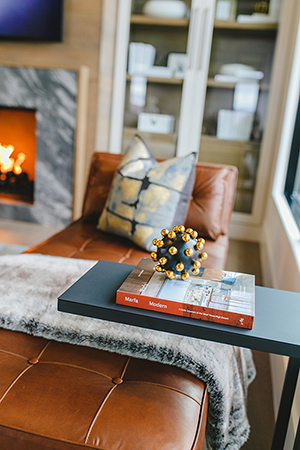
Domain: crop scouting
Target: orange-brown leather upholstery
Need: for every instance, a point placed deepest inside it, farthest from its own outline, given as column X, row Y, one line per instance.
column 65, row 397
column 209, row 213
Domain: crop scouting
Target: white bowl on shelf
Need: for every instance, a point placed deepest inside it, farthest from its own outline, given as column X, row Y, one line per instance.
column 169, row 9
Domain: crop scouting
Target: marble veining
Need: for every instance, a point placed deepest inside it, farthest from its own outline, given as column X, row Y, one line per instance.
column 52, row 93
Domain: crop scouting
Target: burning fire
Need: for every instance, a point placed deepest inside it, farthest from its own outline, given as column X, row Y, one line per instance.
column 8, row 164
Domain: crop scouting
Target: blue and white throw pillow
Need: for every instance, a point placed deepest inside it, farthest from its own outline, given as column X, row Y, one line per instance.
column 147, row 196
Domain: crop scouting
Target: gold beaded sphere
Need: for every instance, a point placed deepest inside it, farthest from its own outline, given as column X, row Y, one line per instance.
column 179, row 252
column 189, row 252
column 173, row 250
column 163, row 260
column 171, row 235
column 186, row 237
column 179, row 267
column 170, row 274
column 185, row 276
column 160, row 243
column 153, row 256
column 199, row 245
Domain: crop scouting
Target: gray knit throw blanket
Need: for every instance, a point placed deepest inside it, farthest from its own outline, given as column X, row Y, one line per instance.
column 30, row 285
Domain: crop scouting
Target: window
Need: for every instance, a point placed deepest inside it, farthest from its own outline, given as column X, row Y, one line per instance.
column 292, row 184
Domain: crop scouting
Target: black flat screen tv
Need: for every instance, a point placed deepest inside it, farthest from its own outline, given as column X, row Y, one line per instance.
column 31, row 20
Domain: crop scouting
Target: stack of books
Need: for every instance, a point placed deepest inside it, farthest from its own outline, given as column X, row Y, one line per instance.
column 213, row 295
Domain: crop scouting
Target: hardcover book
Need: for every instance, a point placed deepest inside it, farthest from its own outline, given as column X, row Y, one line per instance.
column 213, row 295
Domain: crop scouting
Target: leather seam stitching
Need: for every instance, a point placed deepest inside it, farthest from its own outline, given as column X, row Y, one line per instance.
column 98, row 413
column 75, row 367
column 166, row 387
column 13, row 354
column 14, row 382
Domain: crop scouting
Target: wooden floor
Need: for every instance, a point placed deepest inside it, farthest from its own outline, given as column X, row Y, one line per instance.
column 243, row 257
column 24, row 233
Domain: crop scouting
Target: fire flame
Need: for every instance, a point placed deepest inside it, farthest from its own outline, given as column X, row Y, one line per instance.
column 8, row 164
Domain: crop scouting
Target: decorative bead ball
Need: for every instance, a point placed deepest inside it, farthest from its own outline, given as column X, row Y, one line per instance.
column 179, row 252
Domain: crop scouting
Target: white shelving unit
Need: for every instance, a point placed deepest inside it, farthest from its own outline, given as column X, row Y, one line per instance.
column 193, row 99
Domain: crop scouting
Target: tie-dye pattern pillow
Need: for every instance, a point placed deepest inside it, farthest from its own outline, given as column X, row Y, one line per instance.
column 147, row 196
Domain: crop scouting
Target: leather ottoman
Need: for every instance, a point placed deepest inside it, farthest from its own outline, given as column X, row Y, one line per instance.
column 59, row 396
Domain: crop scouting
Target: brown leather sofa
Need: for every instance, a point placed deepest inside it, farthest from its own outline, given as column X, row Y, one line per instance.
column 209, row 213
column 64, row 397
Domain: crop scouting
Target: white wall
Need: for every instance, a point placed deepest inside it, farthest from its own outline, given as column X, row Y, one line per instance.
column 281, row 241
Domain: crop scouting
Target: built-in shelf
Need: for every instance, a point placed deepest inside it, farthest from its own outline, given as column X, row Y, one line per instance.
column 150, row 20
column 211, row 82
column 165, row 136
column 234, row 25
column 161, row 80
column 161, row 145
column 254, row 145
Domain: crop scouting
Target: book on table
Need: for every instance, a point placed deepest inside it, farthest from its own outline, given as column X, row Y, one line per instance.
column 213, row 295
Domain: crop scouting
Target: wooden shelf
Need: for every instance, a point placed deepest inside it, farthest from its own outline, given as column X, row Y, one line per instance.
column 151, row 20
column 234, row 25
column 162, row 80
column 211, row 82
column 244, row 26
column 162, row 146
column 254, row 145
column 162, row 136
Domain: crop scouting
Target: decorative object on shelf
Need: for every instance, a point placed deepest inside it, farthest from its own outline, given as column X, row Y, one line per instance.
column 179, row 252
column 138, row 91
column 170, row 9
column 261, row 7
column 155, row 123
column 159, row 72
column 234, row 125
column 226, row 10
column 140, row 58
column 146, row 195
column 245, row 97
column 263, row 12
column 177, row 62
column 233, row 73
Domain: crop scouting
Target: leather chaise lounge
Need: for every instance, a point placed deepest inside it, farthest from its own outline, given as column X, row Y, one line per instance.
column 66, row 397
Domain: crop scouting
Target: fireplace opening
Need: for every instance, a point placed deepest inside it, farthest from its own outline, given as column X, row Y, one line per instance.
column 17, row 154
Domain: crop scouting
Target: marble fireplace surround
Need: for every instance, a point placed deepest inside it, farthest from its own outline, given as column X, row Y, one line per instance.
column 54, row 94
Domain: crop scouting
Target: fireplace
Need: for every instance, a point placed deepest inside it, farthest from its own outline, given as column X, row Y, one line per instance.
column 37, row 133
column 17, row 155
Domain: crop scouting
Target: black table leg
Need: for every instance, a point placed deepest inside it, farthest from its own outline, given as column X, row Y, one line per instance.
column 286, row 402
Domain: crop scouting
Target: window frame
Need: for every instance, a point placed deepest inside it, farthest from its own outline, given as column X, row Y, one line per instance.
column 293, row 171
column 285, row 156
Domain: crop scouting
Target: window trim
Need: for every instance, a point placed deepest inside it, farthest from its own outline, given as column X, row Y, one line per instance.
column 294, row 161
column 284, row 156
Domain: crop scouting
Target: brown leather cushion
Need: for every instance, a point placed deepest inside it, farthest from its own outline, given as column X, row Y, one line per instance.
column 61, row 396
column 210, row 206
column 83, row 240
